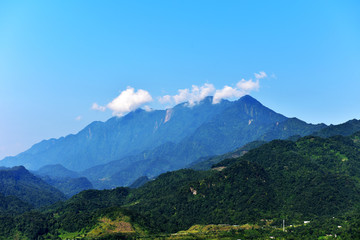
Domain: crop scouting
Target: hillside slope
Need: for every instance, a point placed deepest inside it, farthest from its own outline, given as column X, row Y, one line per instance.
column 19, row 182
column 313, row 179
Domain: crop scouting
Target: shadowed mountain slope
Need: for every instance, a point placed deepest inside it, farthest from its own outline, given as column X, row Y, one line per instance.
column 19, row 182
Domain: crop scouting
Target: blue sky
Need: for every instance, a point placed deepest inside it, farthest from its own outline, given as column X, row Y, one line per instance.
column 58, row 58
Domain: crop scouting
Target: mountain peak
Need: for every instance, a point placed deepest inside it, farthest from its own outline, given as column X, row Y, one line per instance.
column 19, row 169
column 248, row 99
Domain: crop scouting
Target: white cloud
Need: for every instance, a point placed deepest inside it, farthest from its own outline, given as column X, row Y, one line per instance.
column 248, row 85
column 204, row 91
column 78, row 118
column 148, row 108
column 193, row 96
column 97, row 107
column 183, row 96
column 260, row 75
column 243, row 87
column 196, row 93
column 128, row 101
column 165, row 99
column 227, row 92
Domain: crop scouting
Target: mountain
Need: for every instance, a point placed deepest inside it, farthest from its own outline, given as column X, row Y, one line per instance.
column 243, row 121
column 102, row 142
column 293, row 124
column 69, row 186
column 345, row 129
column 148, row 143
column 206, row 163
column 291, row 127
column 56, row 171
column 19, row 182
column 67, row 181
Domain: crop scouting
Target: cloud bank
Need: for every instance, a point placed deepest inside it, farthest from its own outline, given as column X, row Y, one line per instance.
column 128, row 100
column 198, row 93
column 192, row 96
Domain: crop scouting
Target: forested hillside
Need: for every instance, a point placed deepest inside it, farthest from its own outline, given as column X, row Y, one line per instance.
column 19, row 182
column 313, row 179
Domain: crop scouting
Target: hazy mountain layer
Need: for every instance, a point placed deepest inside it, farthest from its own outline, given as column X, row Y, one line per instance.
column 117, row 152
column 241, row 122
column 102, row 142
column 65, row 180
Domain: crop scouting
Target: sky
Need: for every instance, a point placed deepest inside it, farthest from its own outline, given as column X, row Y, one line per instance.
column 64, row 64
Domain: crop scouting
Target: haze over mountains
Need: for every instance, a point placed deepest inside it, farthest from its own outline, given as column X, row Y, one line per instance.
column 148, row 143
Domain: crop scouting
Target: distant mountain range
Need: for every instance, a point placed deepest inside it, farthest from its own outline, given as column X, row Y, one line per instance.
column 102, row 142
column 148, row 143
column 67, row 181
column 239, row 123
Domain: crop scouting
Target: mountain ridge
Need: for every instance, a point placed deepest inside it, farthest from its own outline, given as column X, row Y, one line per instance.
column 19, row 182
column 116, row 137
column 245, row 120
column 148, row 143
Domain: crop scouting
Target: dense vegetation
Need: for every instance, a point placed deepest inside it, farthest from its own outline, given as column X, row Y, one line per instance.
column 292, row 125
column 345, row 129
column 206, row 163
column 11, row 205
column 139, row 182
column 312, row 179
column 19, row 182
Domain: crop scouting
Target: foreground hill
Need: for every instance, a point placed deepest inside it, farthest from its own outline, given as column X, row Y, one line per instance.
column 11, row 205
column 312, row 179
column 19, row 182
column 301, row 180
